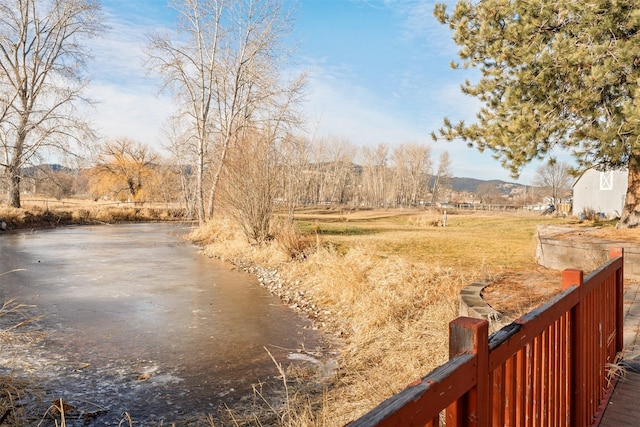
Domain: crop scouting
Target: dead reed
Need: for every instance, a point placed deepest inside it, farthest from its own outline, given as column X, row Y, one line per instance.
column 14, row 390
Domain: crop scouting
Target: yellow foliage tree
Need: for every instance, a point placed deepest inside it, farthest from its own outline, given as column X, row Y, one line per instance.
column 125, row 170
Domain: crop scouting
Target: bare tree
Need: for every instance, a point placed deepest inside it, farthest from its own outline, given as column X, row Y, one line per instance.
column 255, row 165
column 223, row 68
column 41, row 59
column 489, row 193
column 295, row 176
column 337, row 169
column 375, row 171
column 554, row 179
column 249, row 187
column 412, row 168
column 400, row 175
column 442, row 178
column 183, row 157
column 319, row 155
column 53, row 181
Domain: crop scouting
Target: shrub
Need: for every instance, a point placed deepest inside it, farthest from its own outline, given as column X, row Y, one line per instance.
column 293, row 243
column 590, row 214
column 12, row 215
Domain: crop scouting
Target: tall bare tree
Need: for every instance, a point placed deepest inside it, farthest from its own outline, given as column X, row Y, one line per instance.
column 41, row 60
column 554, row 179
column 222, row 65
column 400, row 176
column 412, row 168
column 251, row 180
column 295, row 176
column 375, row 171
column 319, row 155
column 442, row 178
column 183, row 157
column 337, row 169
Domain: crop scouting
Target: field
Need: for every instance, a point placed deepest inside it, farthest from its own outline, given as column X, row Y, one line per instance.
column 383, row 285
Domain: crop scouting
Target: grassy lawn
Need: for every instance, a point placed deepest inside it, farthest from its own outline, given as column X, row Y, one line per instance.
column 470, row 239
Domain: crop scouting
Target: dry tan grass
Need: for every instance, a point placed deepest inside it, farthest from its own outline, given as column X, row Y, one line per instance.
column 516, row 293
column 607, row 231
column 392, row 315
column 388, row 285
column 12, row 215
column 47, row 212
column 13, row 390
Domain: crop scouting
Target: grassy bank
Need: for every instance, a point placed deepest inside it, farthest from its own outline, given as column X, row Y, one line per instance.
column 385, row 284
column 47, row 212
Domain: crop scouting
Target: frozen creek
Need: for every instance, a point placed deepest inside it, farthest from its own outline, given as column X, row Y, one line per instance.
column 134, row 319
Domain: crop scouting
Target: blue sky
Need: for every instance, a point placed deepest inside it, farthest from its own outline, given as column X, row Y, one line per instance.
column 378, row 73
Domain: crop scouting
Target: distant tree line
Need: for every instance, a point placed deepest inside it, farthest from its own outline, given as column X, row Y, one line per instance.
column 285, row 177
column 298, row 172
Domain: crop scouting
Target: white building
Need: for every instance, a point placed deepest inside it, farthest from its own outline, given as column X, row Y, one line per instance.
column 602, row 192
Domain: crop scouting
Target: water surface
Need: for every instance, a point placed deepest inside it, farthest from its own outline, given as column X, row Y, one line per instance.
column 136, row 320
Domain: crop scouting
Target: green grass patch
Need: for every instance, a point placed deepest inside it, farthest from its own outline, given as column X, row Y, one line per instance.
column 468, row 241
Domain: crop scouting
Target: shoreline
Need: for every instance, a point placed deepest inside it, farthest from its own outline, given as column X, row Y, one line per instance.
column 326, row 357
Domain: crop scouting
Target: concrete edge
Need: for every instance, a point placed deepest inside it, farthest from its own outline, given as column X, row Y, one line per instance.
column 471, row 304
column 583, row 253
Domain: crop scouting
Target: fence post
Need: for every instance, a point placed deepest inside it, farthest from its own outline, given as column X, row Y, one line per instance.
column 615, row 252
column 577, row 351
column 469, row 335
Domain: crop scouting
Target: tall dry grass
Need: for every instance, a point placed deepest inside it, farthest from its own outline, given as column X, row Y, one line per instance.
column 14, row 390
column 392, row 316
column 382, row 292
column 51, row 212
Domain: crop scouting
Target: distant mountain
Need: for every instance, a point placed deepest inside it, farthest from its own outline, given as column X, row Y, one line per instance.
column 32, row 171
column 471, row 185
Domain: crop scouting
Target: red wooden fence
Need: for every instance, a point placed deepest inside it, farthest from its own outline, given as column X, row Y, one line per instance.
column 548, row 368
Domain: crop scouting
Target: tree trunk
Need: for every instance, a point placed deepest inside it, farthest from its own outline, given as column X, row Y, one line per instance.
column 435, row 190
column 631, row 211
column 13, row 192
column 212, row 193
column 14, row 170
column 216, row 178
column 200, row 183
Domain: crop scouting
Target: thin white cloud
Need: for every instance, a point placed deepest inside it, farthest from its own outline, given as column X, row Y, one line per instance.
column 136, row 114
column 421, row 27
column 338, row 107
column 353, row 111
column 127, row 103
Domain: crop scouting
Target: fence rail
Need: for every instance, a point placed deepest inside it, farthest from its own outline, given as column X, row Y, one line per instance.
column 548, row 368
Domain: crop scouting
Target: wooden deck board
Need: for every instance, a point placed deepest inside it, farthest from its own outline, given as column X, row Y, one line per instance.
column 623, row 408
